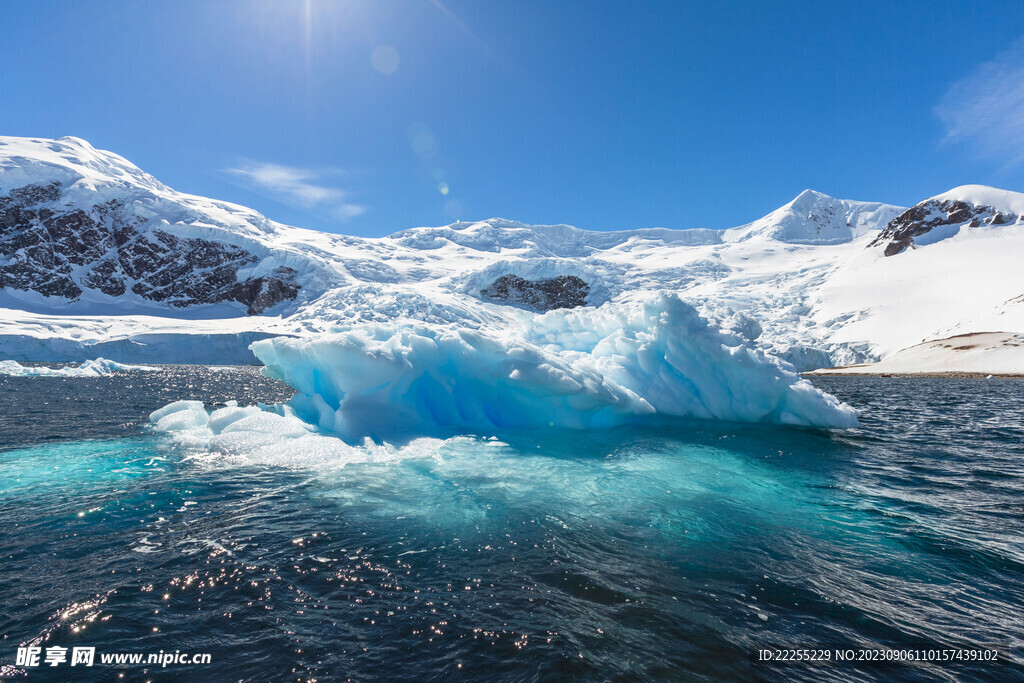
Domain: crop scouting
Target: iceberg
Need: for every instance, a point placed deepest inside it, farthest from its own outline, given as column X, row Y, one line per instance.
column 100, row 367
column 648, row 361
column 621, row 363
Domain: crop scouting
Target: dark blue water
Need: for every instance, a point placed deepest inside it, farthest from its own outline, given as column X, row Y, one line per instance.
column 621, row 555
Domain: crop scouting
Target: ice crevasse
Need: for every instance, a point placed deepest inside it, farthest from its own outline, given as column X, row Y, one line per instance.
column 637, row 362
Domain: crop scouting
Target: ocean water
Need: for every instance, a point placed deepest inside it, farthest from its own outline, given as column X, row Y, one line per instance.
column 666, row 554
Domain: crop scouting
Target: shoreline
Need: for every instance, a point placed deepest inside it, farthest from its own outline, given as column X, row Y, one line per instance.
column 951, row 374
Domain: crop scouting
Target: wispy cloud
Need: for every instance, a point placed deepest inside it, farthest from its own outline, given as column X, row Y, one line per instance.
column 986, row 108
column 302, row 188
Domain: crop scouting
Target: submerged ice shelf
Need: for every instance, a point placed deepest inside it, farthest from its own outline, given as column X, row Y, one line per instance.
column 644, row 362
column 259, row 435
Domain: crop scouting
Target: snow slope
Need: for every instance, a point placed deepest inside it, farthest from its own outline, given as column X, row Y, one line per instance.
column 1004, row 201
column 960, row 275
column 980, row 353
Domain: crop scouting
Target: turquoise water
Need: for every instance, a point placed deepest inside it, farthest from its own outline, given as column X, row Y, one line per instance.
column 620, row 555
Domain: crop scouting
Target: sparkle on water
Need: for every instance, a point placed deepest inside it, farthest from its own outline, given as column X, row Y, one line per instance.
column 626, row 553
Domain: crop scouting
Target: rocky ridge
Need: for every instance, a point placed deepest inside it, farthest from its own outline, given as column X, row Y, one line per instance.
column 60, row 251
column 926, row 217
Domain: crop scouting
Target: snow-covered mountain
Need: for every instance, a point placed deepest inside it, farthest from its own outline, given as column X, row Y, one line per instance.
column 99, row 258
column 816, row 218
column 946, row 215
column 84, row 228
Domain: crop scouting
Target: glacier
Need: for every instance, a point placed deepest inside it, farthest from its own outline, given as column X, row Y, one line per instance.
column 98, row 257
column 653, row 361
column 120, row 264
column 98, row 367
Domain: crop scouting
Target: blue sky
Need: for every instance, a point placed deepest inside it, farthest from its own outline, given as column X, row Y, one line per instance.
column 369, row 117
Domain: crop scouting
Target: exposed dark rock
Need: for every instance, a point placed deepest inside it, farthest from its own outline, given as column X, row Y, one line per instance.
column 564, row 291
column 261, row 293
column 59, row 250
column 36, row 194
column 105, row 277
column 925, row 217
